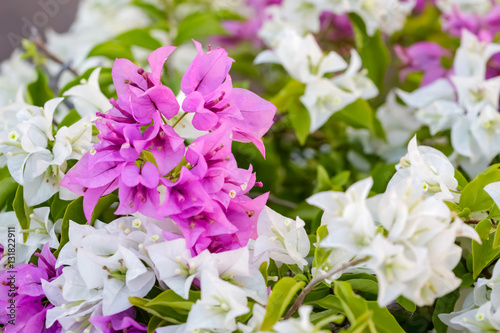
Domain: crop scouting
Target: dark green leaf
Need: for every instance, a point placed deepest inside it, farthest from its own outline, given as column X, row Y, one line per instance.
column 199, row 25
column 73, row 212
column 445, row 304
column 22, row 211
column 8, row 188
column 71, row 118
column 373, row 52
column 39, row 91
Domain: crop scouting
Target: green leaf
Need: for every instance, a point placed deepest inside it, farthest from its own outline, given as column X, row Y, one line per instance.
column 168, row 306
column 323, row 182
column 474, row 196
column 103, row 204
column 484, row 228
column 462, row 181
column 154, row 323
column 406, row 303
column 22, row 211
column 199, row 25
column 300, row 119
column 321, row 254
column 341, row 178
column 73, row 212
column 282, row 294
column 105, row 79
column 330, row 302
column 293, row 89
column 8, row 188
column 358, row 114
column 373, row 52
column 483, row 254
column 496, row 240
column 39, row 91
column 355, row 307
column 112, row 49
column 139, row 37
column 445, row 304
column 382, row 174
column 363, row 324
column 364, row 285
column 324, row 318
column 58, row 207
column 71, row 118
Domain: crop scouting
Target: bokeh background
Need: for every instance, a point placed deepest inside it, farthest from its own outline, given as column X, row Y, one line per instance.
column 16, row 15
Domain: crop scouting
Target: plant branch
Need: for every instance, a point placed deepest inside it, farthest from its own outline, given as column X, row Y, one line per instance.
column 41, row 45
column 298, row 302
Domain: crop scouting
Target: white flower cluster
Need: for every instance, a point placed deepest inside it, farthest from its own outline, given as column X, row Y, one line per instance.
column 103, row 266
column 304, row 15
column 466, row 104
column 304, row 61
column 106, row 264
column 479, row 310
column 477, row 7
column 35, row 156
column 407, row 234
column 39, row 231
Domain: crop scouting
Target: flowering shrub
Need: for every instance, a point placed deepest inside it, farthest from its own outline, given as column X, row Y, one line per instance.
column 253, row 166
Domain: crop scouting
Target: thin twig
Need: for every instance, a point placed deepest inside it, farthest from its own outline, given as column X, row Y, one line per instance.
column 282, row 202
column 298, row 302
column 41, row 45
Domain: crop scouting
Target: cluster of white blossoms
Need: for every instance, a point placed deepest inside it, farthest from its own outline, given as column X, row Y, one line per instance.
column 406, row 235
column 35, row 156
column 304, row 15
column 480, row 7
column 465, row 103
column 304, row 60
column 479, row 309
column 105, row 264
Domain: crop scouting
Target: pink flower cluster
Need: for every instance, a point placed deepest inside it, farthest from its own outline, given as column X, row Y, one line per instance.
column 22, row 291
column 156, row 172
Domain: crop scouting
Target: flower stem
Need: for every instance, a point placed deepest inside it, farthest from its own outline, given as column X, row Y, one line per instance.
column 298, row 302
column 179, row 120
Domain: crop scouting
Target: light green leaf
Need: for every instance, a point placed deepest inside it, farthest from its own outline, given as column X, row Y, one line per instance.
column 355, row 307
column 474, row 196
column 300, row 119
column 281, row 296
column 406, row 303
